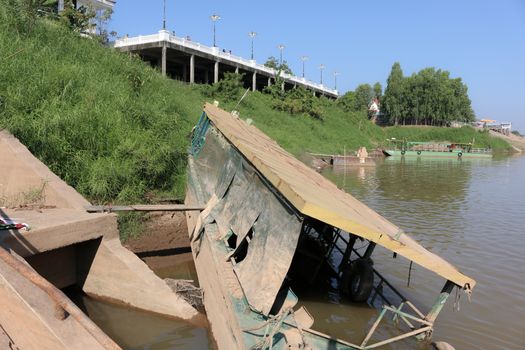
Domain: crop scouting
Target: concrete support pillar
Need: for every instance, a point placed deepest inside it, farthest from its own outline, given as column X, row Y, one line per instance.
column 254, row 81
column 192, row 69
column 314, row 93
column 236, row 70
column 269, row 81
column 163, row 60
column 282, row 86
column 216, row 72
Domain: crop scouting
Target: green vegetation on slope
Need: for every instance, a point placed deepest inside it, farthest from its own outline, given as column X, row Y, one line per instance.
column 301, row 133
column 105, row 122
column 116, row 130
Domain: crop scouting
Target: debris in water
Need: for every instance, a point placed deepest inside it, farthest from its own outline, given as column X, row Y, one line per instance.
column 187, row 290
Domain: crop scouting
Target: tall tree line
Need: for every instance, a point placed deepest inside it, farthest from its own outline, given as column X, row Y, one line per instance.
column 429, row 97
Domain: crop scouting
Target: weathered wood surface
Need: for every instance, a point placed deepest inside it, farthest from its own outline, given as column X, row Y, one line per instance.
column 317, row 197
column 141, row 207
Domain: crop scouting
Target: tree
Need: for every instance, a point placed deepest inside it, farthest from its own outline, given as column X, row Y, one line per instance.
column 394, row 94
column 230, row 88
column 103, row 17
column 79, row 20
column 300, row 101
column 363, row 95
column 378, row 90
column 347, row 101
column 428, row 97
column 272, row 62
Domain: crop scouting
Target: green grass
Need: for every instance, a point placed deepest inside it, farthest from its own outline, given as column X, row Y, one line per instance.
column 301, row 133
column 105, row 122
column 117, row 131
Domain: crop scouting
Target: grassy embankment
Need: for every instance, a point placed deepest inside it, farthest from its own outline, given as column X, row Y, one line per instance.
column 116, row 130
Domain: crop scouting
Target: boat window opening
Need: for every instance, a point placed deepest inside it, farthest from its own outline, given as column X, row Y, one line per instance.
column 232, row 240
column 242, row 248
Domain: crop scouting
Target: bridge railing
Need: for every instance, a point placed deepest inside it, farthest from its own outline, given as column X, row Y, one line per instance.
column 164, row 35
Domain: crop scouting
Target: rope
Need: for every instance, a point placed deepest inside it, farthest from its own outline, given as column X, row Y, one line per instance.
column 273, row 325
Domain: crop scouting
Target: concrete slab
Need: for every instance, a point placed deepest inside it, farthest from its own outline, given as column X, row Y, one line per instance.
column 23, row 174
column 117, row 275
column 31, row 318
column 54, row 228
column 63, row 233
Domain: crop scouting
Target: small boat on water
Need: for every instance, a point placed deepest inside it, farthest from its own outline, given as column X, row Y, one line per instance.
column 403, row 148
column 270, row 222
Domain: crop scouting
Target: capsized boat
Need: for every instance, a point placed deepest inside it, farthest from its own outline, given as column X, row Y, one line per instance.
column 270, row 221
column 403, row 148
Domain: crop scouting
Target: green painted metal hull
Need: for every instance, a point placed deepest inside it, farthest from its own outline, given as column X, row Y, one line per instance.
column 425, row 154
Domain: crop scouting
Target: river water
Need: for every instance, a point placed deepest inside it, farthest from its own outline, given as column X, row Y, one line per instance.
column 472, row 213
column 137, row 330
column 469, row 212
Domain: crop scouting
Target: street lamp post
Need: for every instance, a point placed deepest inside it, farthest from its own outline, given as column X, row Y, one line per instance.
column 164, row 17
column 252, row 35
column 214, row 18
column 336, row 73
column 304, row 59
column 281, row 48
column 321, row 67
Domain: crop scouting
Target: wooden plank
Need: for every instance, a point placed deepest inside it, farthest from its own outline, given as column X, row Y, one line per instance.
column 141, row 207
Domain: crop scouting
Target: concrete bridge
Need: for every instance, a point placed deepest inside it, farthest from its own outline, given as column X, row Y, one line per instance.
column 192, row 62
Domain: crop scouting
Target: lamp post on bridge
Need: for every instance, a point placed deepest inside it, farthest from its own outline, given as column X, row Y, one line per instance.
column 214, row 18
column 304, row 59
column 336, row 73
column 164, row 17
column 281, row 48
column 252, row 35
column 321, row 67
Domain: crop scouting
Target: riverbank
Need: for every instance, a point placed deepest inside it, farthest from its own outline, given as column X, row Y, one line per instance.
column 117, row 131
column 164, row 240
column 517, row 142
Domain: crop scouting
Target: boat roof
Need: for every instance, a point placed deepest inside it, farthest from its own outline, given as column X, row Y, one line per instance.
column 315, row 196
column 431, row 142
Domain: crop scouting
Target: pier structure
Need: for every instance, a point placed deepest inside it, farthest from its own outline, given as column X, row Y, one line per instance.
column 192, row 62
column 49, row 243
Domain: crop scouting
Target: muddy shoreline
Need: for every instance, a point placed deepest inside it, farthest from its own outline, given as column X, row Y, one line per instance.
column 164, row 242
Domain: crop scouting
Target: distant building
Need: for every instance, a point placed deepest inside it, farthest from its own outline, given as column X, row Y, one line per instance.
column 97, row 5
column 491, row 124
column 457, row 124
column 373, row 109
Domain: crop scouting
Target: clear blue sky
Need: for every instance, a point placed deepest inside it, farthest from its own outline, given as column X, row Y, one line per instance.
column 482, row 41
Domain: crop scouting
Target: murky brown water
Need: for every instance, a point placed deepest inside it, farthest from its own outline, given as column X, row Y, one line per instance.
column 469, row 212
column 472, row 213
column 134, row 330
